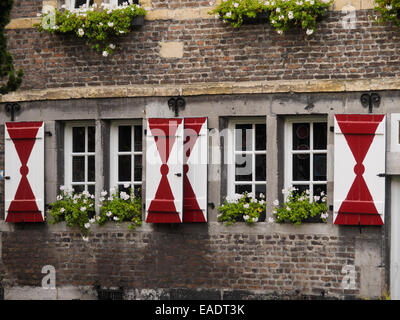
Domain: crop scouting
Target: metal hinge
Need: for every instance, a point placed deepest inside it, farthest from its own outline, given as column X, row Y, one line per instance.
column 382, row 175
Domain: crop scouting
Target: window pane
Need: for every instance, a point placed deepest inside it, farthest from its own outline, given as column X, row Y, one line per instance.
column 243, row 134
column 243, row 167
column 91, row 169
column 91, row 138
column 137, row 189
column 78, row 139
column 319, row 167
column 261, row 137
column 124, row 168
column 79, row 3
column 261, row 167
column 138, row 168
column 318, row 188
column 91, row 188
column 138, row 137
column 78, row 169
column 301, row 167
column 320, row 132
column 260, row 188
column 301, row 136
column 79, row 188
column 301, row 188
column 243, row 188
column 124, row 138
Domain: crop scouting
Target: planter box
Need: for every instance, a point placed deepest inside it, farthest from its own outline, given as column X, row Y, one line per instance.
column 137, row 21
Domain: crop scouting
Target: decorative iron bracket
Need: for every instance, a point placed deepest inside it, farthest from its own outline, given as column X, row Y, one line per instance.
column 12, row 108
column 370, row 100
column 175, row 104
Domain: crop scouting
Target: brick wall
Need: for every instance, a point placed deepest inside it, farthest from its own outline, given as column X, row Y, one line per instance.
column 26, row 8
column 178, row 4
column 293, row 265
column 212, row 52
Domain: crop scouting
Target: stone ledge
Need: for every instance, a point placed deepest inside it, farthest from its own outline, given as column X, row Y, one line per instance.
column 198, row 89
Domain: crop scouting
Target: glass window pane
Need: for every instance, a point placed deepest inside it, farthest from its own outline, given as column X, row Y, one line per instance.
column 243, row 167
column 261, row 137
column 243, row 188
column 138, row 132
column 124, row 138
column 78, row 169
column 78, row 188
column 301, row 167
column 301, row 136
column 260, row 188
column 78, row 139
column 91, row 138
column 137, row 189
column 91, row 188
column 243, row 134
column 319, row 167
column 79, row 3
column 91, row 169
column 138, row 168
column 261, row 168
column 320, row 134
column 124, row 168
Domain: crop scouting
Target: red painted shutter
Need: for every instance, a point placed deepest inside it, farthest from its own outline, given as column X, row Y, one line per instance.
column 24, row 168
column 359, row 156
column 195, row 170
column 164, row 170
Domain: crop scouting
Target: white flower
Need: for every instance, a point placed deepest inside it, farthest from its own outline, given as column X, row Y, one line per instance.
column 276, row 203
column 108, row 214
column 255, row 219
column 389, row 7
column 75, row 201
column 288, row 209
column 271, row 220
column 127, row 185
column 62, row 188
column 63, row 6
column 229, row 14
column 103, row 193
column 309, row 32
column 110, row 198
column 87, row 225
column 111, row 24
column 290, row 15
column 266, row 3
column 324, row 215
column 86, row 239
column 278, row 9
column 105, row 53
column 62, row 210
column 121, row 31
column 83, row 209
column 253, row 200
column 112, row 46
column 301, row 198
column 250, row 195
column 246, row 206
column 307, row 191
column 101, row 199
column 316, row 198
column 59, row 197
column 100, row 24
column 272, row 3
column 323, row 199
column 322, row 193
column 116, row 218
column 246, row 217
column 81, row 32
column 312, row 2
column 236, row 4
column 92, row 220
column 262, row 195
column 261, row 202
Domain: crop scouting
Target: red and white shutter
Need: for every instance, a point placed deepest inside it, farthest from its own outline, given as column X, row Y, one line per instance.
column 195, row 170
column 24, row 172
column 164, row 170
column 359, row 156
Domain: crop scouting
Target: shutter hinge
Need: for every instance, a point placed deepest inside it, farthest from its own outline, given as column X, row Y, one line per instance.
column 145, row 131
column 381, row 175
column 332, row 128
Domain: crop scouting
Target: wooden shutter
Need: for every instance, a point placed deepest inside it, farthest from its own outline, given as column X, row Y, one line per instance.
column 164, row 170
column 24, row 172
column 195, row 170
column 359, row 156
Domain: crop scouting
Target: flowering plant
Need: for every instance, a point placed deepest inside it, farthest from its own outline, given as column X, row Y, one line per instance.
column 241, row 207
column 100, row 26
column 300, row 206
column 389, row 11
column 283, row 14
column 120, row 207
column 77, row 209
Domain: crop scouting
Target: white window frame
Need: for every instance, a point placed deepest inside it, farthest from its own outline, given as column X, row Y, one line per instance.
column 68, row 154
column 288, row 145
column 114, row 152
column 70, row 4
column 231, row 182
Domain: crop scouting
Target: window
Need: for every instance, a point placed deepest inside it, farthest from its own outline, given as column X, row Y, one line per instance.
column 306, row 154
column 247, row 151
column 126, row 156
column 76, row 4
column 80, row 156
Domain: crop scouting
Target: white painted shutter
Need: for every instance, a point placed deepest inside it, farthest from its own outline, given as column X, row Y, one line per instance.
column 359, row 156
column 195, row 170
column 164, row 170
column 24, row 172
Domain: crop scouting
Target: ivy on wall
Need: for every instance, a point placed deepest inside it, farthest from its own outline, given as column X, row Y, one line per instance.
column 6, row 60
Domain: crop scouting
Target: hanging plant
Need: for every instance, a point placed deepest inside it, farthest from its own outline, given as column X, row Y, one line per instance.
column 100, row 26
column 281, row 14
column 389, row 11
column 6, row 60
